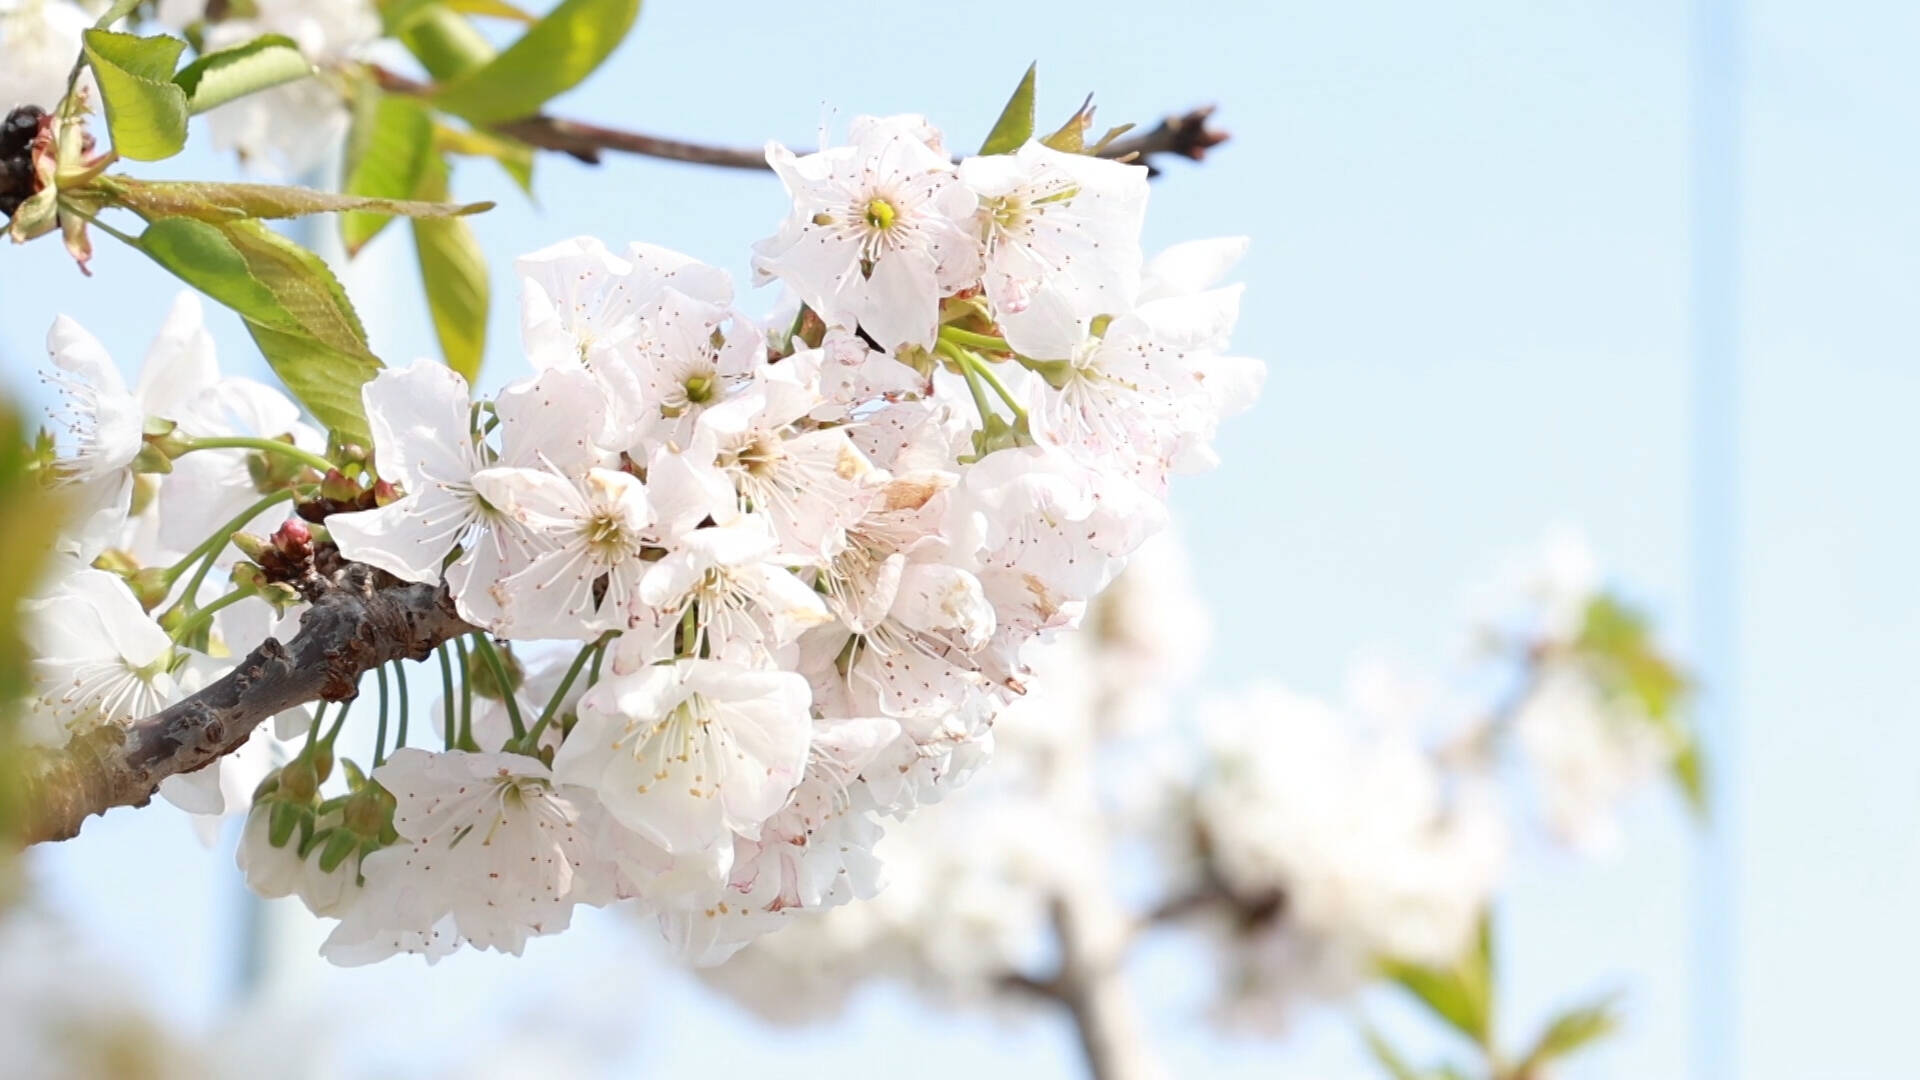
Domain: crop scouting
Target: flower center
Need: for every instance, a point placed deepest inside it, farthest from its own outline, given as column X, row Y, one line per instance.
column 699, row 388
column 880, row 214
column 607, row 536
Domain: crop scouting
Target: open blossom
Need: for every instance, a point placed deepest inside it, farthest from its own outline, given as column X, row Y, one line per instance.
column 590, row 532
column 487, row 846
column 877, row 234
column 1062, row 236
column 97, row 658
column 424, row 441
column 722, row 592
column 690, row 754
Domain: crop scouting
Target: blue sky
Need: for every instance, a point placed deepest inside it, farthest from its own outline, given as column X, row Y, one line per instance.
column 1470, row 279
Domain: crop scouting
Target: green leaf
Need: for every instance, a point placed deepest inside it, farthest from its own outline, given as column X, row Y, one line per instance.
column 1461, row 994
column 553, row 56
column 445, row 42
column 120, row 10
column 453, row 270
column 514, row 156
column 1071, row 138
column 293, row 305
column 1015, row 125
column 146, row 111
column 1690, row 775
column 1389, row 1058
column 398, row 16
column 1616, row 645
column 207, row 201
column 390, row 150
column 494, row 9
column 1572, row 1031
column 219, row 77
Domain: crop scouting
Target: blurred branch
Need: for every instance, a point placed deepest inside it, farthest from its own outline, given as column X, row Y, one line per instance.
column 360, row 618
column 1187, row 135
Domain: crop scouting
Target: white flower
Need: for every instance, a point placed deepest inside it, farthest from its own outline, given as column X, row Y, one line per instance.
column 592, row 531
column 40, row 39
column 1148, row 393
column 876, row 235
column 105, row 421
column 291, row 129
column 1356, row 832
column 1587, row 755
column 97, row 658
column 1062, row 238
column 721, row 591
column 424, row 441
column 485, row 842
column 690, row 754
column 808, row 484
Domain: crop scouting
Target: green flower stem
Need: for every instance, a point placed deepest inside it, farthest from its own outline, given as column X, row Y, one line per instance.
column 977, row 341
column 985, row 371
column 484, row 646
column 211, row 545
column 466, row 695
column 202, row 617
column 400, row 680
column 452, row 736
column 964, row 361
column 265, row 446
column 380, row 733
column 560, row 695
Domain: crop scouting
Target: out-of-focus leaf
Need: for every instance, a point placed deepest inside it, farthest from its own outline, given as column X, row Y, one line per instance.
column 493, row 9
column 1461, row 994
column 389, row 150
column 1389, row 1058
column 453, row 270
column 445, row 42
column 30, row 520
column 1572, row 1031
column 1690, row 775
column 1618, row 639
column 221, row 76
column 399, row 15
column 116, row 11
column 205, row 201
column 553, row 56
column 146, row 110
column 1616, row 644
column 513, row 155
column 1015, row 125
column 293, row 305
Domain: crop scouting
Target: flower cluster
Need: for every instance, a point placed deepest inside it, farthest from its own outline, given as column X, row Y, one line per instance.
column 800, row 566
column 1309, row 840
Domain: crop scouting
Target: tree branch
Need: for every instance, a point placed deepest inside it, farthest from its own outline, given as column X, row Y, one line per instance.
column 1188, row 135
column 360, row 618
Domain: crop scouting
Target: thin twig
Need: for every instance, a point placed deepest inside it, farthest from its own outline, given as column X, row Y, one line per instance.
column 1188, row 135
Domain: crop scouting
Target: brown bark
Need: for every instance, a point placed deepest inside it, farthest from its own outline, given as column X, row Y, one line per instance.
column 360, row 618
